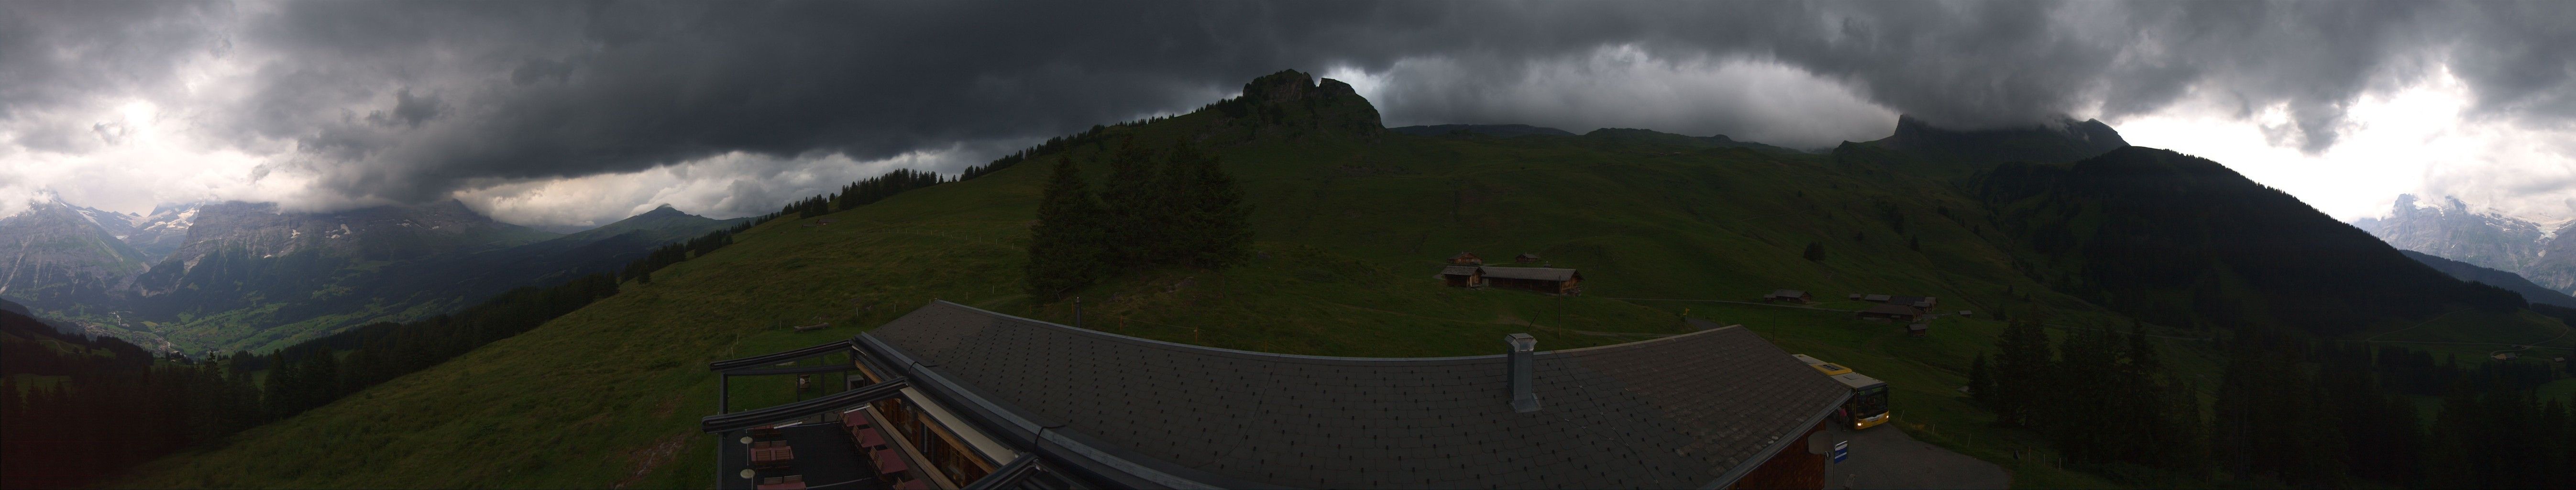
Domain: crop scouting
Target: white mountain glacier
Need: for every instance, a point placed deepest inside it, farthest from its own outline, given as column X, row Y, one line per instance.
column 2526, row 245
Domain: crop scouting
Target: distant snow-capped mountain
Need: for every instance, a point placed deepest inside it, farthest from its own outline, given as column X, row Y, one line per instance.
column 55, row 253
column 2525, row 245
column 158, row 234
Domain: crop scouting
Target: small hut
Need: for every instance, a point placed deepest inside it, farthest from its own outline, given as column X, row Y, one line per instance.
column 1854, row 297
column 1463, row 276
column 1926, row 302
column 1464, row 258
column 1918, row 330
column 1525, row 258
column 1875, row 298
column 1542, row 279
column 1789, row 295
column 1891, row 312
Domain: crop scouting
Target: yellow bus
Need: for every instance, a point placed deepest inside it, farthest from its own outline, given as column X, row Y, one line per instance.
column 1868, row 405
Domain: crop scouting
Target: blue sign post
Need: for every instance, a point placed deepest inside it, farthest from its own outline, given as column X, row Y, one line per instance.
column 1842, row 449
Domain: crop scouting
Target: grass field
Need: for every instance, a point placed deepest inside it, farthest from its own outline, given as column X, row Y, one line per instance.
column 1350, row 233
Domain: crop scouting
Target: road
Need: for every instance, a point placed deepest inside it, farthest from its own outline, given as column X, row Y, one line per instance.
column 1884, row 457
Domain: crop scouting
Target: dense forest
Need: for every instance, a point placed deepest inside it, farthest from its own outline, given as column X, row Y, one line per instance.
column 1182, row 211
column 2289, row 411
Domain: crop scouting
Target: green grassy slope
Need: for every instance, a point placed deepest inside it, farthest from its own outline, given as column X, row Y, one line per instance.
column 1351, row 228
column 1351, row 231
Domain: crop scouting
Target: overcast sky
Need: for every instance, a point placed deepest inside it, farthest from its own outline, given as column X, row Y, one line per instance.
column 582, row 113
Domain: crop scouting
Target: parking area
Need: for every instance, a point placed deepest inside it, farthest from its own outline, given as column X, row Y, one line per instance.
column 1884, row 457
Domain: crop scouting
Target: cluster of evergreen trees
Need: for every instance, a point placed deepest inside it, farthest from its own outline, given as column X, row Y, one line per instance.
column 2288, row 411
column 2101, row 399
column 2326, row 414
column 1182, row 211
column 870, row 190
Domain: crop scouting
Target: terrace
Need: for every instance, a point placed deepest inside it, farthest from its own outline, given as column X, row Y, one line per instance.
column 864, row 435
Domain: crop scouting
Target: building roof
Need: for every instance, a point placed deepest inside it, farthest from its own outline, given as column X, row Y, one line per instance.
column 1788, row 293
column 1538, row 273
column 1874, row 297
column 1912, row 300
column 1892, row 309
column 1691, row 410
column 1857, row 380
column 1458, row 270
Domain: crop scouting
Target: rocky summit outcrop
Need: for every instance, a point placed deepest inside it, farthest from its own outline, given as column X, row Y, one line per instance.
column 2064, row 141
column 1293, row 105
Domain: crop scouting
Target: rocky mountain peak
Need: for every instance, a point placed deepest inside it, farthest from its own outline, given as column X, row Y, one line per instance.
column 1294, row 104
column 662, row 211
column 2453, row 229
column 2063, row 141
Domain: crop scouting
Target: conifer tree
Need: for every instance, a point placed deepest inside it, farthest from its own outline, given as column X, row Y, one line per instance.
column 1067, row 250
column 1981, row 382
column 1135, row 211
column 1211, row 226
column 2022, row 369
column 1815, row 252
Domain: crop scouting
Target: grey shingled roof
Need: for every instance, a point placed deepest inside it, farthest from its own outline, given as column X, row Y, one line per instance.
column 1539, row 273
column 1684, row 411
column 1458, row 270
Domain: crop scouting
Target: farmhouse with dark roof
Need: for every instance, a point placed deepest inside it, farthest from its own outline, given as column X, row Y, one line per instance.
column 1792, row 295
column 1464, row 276
column 1891, row 311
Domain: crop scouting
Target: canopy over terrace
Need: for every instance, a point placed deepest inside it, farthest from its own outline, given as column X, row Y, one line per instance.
column 1703, row 409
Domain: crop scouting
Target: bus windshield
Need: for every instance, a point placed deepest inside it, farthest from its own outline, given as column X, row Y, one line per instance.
column 1868, row 402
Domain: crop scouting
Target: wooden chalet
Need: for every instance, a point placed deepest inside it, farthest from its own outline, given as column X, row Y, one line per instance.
column 1542, row 279
column 1465, row 258
column 1525, row 258
column 1918, row 330
column 1891, row 311
column 1875, row 298
column 1789, row 295
column 1463, row 276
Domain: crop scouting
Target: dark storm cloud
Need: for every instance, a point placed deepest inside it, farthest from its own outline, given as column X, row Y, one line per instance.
column 409, row 101
column 52, row 54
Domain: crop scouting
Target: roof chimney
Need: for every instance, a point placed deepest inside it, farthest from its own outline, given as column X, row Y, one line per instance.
column 1524, row 398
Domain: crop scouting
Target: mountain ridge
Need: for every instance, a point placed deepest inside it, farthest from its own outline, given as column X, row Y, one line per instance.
column 1348, row 227
column 2534, row 293
column 2533, row 248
